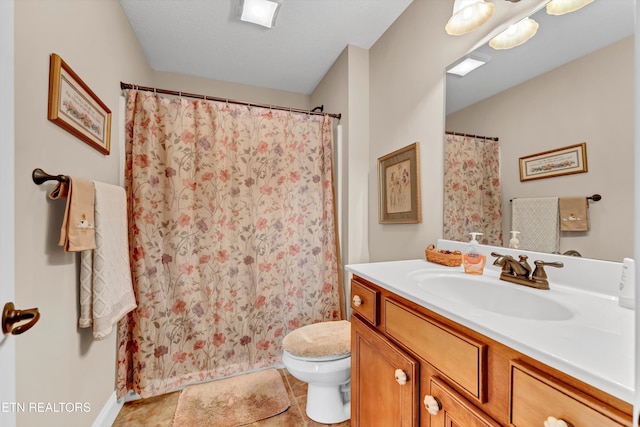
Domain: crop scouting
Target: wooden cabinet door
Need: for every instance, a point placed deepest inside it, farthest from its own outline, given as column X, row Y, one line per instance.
column 378, row 399
column 456, row 411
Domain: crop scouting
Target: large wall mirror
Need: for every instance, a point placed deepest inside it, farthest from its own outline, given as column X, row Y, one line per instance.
column 571, row 83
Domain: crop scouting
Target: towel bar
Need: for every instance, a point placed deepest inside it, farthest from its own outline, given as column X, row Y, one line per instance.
column 595, row 198
column 39, row 176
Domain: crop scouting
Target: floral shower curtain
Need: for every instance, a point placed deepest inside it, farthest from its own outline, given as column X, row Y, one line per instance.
column 472, row 191
column 232, row 238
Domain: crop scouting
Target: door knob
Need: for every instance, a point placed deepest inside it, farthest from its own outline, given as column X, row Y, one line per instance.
column 11, row 316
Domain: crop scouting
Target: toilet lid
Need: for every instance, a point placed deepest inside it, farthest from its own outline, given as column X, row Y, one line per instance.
column 320, row 340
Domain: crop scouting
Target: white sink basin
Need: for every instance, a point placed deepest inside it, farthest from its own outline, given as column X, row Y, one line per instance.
column 489, row 294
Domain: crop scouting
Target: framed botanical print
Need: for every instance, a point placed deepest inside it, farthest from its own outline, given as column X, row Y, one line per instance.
column 399, row 186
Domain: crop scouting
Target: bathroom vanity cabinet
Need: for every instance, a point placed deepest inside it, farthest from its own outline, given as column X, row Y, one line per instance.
column 406, row 357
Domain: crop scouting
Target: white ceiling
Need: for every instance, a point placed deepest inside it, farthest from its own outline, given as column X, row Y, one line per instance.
column 203, row 38
column 559, row 40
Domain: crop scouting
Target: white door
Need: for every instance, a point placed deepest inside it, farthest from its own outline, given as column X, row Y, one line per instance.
column 7, row 273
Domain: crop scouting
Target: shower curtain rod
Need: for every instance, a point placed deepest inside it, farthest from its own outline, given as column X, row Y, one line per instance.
column 213, row 98
column 492, row 138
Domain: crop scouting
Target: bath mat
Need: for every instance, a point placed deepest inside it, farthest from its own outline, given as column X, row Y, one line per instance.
column 232, row 402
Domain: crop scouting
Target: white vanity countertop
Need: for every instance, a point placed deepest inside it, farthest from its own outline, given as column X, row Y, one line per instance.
column 596, row 345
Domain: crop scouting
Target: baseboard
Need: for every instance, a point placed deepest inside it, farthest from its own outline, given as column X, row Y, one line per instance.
column 109, row 412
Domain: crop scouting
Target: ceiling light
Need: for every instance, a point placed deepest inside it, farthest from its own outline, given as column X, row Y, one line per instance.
column 261, row 12
column 515, row 35
column 466, row 66
column 560, row 7
column 468, row 15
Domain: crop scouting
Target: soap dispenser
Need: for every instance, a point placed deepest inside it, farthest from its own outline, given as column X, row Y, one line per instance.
column 514, row 242
column 473, row 260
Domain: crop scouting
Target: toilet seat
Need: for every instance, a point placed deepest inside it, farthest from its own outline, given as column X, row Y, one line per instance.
column 318, row 358
column 324, row 341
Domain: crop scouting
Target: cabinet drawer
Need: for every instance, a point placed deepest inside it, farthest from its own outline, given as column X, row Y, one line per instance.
column 535, row 396
column 365, row 301
column 459, row 358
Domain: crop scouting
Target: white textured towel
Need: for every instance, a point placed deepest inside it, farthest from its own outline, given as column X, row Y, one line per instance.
column 106, row 286
column 536, row 219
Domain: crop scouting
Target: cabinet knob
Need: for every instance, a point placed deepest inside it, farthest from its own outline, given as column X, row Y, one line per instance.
column 556, row 422
column 432, row 404
column 357, row 301
column 401, row 377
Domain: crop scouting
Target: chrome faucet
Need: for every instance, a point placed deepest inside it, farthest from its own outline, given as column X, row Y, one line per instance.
column 519, row 271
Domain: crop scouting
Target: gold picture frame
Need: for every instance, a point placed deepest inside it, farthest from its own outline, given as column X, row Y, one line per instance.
column 562, row 161
column 74, row 107
column 399, row 187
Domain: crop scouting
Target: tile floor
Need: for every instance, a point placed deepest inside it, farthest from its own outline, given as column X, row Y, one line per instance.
column 158, row 411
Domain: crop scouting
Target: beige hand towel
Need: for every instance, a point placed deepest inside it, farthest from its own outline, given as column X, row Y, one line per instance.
column 77, row 231
column 573, row 214
column 106, row 286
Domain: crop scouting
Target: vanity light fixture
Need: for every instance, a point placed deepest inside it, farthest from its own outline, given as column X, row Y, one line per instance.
column 560, row 7
column 260, row 12
column 468, row 15
column 467, row 65
column 515, row 35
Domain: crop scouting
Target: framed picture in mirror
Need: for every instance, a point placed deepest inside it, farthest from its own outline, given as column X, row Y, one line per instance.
column 558, row 162
column 399, row 187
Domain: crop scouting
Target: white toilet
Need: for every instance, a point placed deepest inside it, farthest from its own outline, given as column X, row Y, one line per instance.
column 320, row 355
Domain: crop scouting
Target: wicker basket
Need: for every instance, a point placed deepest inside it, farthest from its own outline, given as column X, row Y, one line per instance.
column 448, row 258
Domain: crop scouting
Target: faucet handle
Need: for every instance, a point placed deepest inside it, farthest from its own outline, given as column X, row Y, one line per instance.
column 539, row 263
column 501, row 261
column 539, row 275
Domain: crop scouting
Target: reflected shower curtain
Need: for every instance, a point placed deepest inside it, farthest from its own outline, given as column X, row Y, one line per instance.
column 232, row 238
column 472, row 191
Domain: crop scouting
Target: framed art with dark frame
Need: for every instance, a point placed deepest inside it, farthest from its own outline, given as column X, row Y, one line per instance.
column 558, row 162
column 399, row 187
column 74, row 107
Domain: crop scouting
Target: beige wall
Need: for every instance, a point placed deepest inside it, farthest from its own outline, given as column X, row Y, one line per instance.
column 57, row 362
column 235, row 91
column 588, row 100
